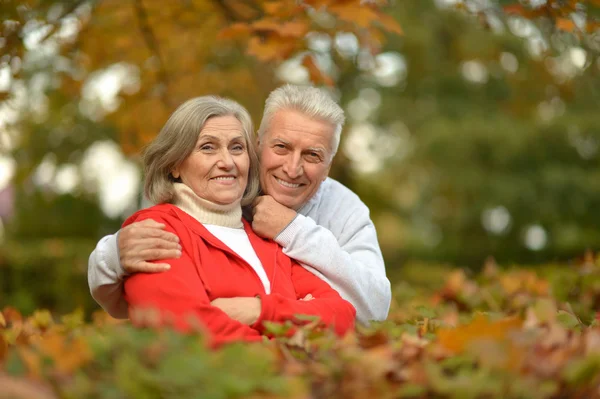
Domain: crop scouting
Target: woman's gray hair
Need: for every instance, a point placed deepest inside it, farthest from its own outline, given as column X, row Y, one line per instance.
column 311, row 101
column 179, row 136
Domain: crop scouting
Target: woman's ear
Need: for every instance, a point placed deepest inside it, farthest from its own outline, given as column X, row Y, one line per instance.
column 175, row 172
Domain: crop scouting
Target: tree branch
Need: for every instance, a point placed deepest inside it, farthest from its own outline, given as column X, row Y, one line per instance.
column 232, row 15
column 152, row 44
column 72, row 7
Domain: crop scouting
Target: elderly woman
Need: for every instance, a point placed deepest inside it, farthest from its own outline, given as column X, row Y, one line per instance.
column 201, row 169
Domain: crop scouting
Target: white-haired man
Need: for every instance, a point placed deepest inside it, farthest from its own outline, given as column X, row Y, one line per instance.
column 316, row 220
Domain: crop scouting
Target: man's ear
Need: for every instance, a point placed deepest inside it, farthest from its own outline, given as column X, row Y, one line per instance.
column 327, row 174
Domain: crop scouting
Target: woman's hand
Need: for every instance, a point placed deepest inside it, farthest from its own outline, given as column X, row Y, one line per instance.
column 246, row 310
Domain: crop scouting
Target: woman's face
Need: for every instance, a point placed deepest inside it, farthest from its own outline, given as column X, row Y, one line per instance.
column 217, row 168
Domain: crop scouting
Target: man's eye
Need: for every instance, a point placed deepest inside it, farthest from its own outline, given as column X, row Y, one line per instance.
column 281, row 146
column 313, row 156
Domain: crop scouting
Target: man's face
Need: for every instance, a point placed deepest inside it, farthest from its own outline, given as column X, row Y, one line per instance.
column 295, row 157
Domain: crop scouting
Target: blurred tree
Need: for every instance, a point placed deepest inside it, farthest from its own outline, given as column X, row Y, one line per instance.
column 486, row 142
column 78, row 73
column 168, row 52
column 471, row 135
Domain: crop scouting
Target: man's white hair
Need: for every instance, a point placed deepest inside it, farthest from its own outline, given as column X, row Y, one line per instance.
column 311, row 101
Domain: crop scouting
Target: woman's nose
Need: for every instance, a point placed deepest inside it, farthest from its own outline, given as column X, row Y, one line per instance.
column 225, row 160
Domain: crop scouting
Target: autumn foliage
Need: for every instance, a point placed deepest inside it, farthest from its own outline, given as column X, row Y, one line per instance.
column 499, row 334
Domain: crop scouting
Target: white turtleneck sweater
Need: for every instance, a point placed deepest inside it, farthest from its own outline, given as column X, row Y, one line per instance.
column 225, row 223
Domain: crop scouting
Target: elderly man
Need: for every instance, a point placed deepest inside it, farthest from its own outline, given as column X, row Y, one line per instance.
column 316, row 220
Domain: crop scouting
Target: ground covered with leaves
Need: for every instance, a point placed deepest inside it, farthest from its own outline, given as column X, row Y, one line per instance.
column 511, row 332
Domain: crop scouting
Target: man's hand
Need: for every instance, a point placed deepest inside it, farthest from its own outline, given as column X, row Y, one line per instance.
column 270, row 217
column 246, row 310
column 144, row 241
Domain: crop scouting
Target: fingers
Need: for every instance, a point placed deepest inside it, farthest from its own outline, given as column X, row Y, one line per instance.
column 154, row 253
column 308, row 297
column 147, row 267
column 149, row 229
column 149, row 223
column 158, row 233
column 156, row 243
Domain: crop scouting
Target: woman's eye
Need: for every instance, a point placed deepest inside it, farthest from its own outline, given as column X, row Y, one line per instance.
column 207, row 147
column 237, row 148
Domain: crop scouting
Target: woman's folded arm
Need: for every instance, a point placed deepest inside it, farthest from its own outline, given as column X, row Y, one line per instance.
column 327, row 304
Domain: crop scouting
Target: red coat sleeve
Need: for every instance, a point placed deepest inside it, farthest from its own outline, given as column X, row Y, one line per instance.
column 180, row 298
column 328, row 305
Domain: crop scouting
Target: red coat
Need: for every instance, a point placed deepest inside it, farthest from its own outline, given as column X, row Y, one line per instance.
column 208, row 269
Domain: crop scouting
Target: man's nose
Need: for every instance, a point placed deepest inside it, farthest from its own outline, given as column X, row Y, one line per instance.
column 293, row 166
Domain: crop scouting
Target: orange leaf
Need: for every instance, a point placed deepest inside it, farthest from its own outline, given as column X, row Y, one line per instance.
column 361, row 15
column 272, row 7
column 293, row 29
column 31, row 359
column 458, row 339
column 281, row 9
column 315, row 73
column 565, row 24
column 265, row 24
column 238, row 29
column 262, row 50
column 592, row 26
column 68, row 354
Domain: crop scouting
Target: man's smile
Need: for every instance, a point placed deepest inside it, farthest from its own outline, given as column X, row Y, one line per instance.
column 287, row 184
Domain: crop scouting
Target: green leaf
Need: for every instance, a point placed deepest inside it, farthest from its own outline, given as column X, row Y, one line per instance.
column 426, row 312
column 567, row 319
column 583, row 371
column 411, row 390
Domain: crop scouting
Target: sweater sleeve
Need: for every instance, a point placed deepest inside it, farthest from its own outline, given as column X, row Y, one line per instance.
column 327, row 304
column 352, row 264
column 105, row 277
column 181, row 300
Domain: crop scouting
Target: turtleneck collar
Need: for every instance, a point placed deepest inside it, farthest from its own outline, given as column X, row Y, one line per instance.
column 207, row 212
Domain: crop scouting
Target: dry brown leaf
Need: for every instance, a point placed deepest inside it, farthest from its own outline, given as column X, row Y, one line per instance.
column 565, row 24
column 296, row 29
column 266, row 25
column 68, row 355
column 592, row 341
column 355, row 12
column 234, row 31
column 19, row 388
column 457, row 339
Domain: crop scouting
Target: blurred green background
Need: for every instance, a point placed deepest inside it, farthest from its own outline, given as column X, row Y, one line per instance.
column 473, row 134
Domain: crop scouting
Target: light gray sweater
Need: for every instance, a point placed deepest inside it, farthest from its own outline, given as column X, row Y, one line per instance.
column 332, row 236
